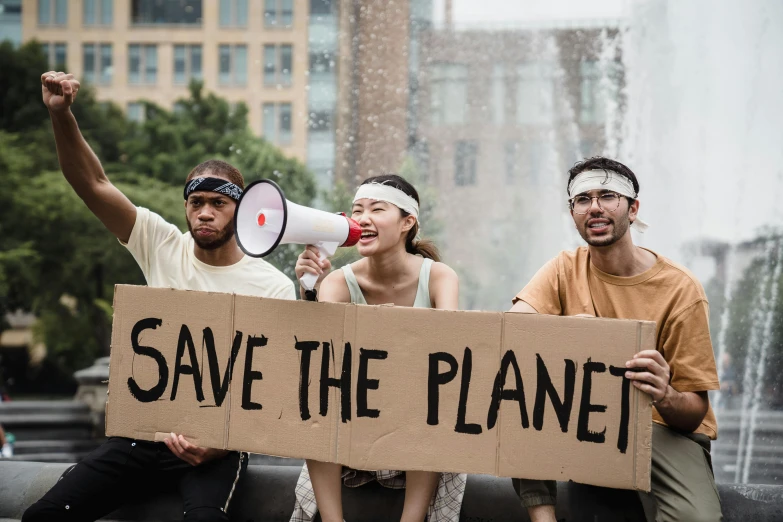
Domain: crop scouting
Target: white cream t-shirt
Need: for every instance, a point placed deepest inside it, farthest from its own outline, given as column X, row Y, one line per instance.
column 166, row 258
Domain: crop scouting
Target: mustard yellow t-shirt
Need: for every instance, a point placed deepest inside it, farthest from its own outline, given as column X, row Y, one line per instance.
column 667, row 293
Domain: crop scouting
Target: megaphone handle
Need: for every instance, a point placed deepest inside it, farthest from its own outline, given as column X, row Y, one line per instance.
column 325, row 250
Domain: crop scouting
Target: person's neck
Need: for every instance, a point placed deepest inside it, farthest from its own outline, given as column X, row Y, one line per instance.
column 227, row 255
column 388, row 267
column 622, row 259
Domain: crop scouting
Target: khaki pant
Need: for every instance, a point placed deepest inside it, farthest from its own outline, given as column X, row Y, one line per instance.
column 683, row 486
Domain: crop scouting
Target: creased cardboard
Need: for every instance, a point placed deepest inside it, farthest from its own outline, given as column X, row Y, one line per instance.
column 381, row 387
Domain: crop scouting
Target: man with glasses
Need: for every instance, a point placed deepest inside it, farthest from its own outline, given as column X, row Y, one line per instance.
column 612, row 277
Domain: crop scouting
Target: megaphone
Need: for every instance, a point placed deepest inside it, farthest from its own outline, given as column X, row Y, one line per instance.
column 264, row 219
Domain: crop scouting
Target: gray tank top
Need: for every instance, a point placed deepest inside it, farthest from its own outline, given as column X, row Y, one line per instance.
column 422, row 293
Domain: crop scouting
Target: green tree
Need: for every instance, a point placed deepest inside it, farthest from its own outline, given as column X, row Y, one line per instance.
column 20, row 86
column 79, row 262
column 17, row 255
column 56, row 258
column 22, row 110
column 750, row 306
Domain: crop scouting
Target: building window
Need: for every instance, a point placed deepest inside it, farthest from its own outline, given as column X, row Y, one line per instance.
column 187, row 63
column 322, row 82
column 136, row 112
column 465, row 157
column 61, row 12
column 321, row 121
column 56, row 55
column 166, row 12
column 279, row 13
column 106, row 64
column 449, row 94
column 233, row 13
column 233, row 65
column 11, row 21
column 52, row 12
column 535, row 93
column 276, row 126
column 44, row 12
column 278, row 61
column 511, row 158
column 107, row 12
column 598, row 88
column 142, row 64
column 97, row 62
column 88, row 61
column 499, row 94
column 98, row 12
column 535, row 152
column 525, row 162
column 321, row 7
column 590, row 99
column 421, row 154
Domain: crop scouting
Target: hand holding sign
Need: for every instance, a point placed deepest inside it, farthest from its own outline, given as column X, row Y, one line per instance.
column 650, row 373
column 190, row 453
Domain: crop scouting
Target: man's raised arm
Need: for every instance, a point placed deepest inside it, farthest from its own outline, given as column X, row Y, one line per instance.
column 78, row 162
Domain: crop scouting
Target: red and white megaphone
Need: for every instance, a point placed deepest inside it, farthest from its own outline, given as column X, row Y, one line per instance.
column 264, row 219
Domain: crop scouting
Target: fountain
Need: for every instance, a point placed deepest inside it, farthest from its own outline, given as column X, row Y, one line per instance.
column 702, row 129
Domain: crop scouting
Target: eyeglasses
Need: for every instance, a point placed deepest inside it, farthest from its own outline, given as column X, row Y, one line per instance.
column 608, row 201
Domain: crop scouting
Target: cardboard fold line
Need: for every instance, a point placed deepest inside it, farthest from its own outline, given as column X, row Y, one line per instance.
column 229, row 395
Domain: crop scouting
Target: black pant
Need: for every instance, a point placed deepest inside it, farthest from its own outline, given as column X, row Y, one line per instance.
column 125, row 471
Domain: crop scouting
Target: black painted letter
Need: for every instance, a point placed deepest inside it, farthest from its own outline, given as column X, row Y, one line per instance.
column 187, row 369
column 625, row 408
column 343, row 383
column 583, row 432
column 156, row 392
column 251, row 375
column 435, row 379
column 501, row 394
column 219, row 389
column 363, row 383
column 545, row 387
column 467, row 368
column 306, row 347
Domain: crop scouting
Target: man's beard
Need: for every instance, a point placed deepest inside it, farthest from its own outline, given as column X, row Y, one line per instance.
column 223, row 236
column 619, row 229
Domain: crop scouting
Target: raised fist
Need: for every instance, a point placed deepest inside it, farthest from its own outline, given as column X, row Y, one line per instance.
column 58, row 90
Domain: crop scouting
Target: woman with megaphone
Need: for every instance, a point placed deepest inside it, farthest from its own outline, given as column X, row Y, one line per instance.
column 396, row 268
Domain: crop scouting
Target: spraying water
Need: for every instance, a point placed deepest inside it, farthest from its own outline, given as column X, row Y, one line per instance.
column 766, row 310
column 702, row 128
column 756, row 352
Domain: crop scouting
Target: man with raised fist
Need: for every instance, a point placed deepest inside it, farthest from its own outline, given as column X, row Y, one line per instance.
column 206, row 258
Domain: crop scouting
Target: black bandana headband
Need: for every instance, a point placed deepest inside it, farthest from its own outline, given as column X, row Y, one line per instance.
column 218, row 185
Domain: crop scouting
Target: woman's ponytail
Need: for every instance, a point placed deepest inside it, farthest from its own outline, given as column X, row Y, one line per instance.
column 421, row 247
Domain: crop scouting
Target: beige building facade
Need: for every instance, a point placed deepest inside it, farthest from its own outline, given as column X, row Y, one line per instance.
column 251, row 51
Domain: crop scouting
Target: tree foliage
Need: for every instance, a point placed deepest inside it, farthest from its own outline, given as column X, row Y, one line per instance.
column 751, row 310
column 56, row 259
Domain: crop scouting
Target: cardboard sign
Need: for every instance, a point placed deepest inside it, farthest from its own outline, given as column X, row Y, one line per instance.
column 382, row 387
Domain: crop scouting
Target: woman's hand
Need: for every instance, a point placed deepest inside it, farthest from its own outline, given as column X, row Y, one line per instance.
column 309, row 262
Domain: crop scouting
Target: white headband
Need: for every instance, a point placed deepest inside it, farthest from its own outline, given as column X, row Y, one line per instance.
column 389, row 194
column 605, row 180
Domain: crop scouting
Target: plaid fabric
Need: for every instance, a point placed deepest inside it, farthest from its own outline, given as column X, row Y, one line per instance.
column 445, row 506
